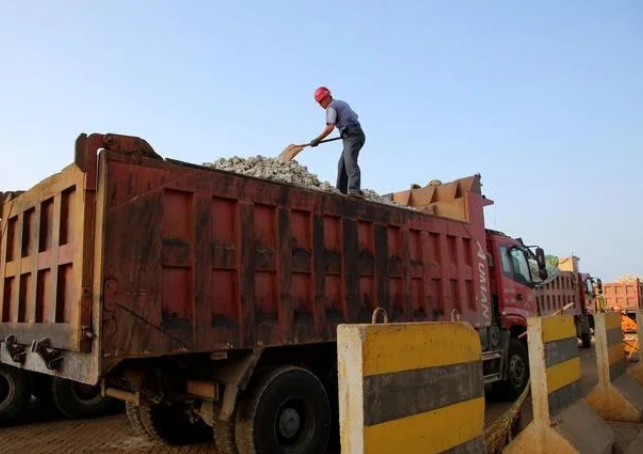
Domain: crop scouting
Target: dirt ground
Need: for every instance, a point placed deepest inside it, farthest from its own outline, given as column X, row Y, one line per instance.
column 113, row 435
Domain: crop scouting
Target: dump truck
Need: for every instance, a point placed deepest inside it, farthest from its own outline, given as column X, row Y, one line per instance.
column 569, row 293
column 624, row 296
column 208, row 299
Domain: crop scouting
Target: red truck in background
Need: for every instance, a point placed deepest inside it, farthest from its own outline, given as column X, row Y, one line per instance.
column 571, row 293
column 206, row 298
column 624, row 296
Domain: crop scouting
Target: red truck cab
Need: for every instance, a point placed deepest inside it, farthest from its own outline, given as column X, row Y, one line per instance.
column 515, row 273
column 514, row 281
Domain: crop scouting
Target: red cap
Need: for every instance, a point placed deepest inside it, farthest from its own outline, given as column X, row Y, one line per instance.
column 321, row 93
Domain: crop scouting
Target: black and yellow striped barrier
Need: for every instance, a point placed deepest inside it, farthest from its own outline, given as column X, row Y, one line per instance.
column 616, row 397
column 410, row 388
column 636, row 372
column 562, row 420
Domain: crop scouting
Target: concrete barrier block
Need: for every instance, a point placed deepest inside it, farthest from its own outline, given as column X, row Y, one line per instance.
column 616, row 397
column 562, row 422
column 636, row 371
column 410, row 387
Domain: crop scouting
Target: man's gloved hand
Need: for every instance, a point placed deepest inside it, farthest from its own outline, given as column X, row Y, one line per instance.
column 315, row 142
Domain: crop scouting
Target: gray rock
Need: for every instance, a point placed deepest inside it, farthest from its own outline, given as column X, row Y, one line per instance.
column 290, row 172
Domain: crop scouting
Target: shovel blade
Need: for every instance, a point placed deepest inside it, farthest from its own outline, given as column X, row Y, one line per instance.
column 290, row 152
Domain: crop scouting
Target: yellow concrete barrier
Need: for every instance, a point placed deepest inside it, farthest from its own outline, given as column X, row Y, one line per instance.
column 616, row 397
column 562, row 422
column 410, row 388
column 636, row 371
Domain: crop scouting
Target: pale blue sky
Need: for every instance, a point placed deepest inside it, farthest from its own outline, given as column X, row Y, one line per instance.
column 543, row 98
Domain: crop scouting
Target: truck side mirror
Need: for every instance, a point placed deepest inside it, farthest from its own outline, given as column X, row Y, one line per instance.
column 540, row 258
column 543, row 274
column 599, row 285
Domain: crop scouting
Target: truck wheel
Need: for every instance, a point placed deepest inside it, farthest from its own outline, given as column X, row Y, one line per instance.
column 172, row 425
column 15, row 394
column 286, row 411
column 517, row 372
column 224, row 434
column 134, row 417
column 76, row 400
column 586, row 340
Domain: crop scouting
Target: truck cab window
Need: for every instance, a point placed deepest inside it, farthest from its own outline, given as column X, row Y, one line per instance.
column 507, row 266
column 534, row 268
column 515, row 265
column 521, row 266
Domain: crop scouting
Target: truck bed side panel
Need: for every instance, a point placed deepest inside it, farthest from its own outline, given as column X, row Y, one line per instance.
column 558, row 293
column 202, row 260
column 626, row 296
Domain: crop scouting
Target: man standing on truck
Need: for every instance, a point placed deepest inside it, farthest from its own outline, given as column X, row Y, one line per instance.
column 340, row 115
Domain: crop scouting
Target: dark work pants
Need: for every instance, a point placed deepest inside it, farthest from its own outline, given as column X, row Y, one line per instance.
column 348, row 173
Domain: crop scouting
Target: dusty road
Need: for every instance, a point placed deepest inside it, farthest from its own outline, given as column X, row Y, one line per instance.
column 113, row 434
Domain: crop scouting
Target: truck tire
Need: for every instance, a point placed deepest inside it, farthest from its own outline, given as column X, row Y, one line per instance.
column 76, row 400
column 15, row 394
column 224, row 434
column 134, row 417
column 171, row 425
column 517, row 372
column 286, row 411
column 586, row 340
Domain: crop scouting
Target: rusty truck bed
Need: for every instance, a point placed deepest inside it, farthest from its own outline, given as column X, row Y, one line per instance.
column 566, row 289
column 623, row 296
column 555, row 295
column 130, row 255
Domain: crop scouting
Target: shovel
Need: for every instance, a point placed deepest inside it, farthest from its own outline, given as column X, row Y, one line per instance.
column 292, row 150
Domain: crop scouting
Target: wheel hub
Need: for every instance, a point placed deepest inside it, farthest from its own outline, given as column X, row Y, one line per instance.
column 289, row 422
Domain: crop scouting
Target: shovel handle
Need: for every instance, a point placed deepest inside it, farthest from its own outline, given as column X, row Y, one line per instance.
column 325, row 140
column 330, row 140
